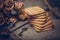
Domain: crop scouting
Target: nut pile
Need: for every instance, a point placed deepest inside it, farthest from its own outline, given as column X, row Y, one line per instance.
column 6, row 7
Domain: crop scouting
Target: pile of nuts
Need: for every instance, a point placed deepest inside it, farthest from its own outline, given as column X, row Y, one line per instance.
column 6, row 7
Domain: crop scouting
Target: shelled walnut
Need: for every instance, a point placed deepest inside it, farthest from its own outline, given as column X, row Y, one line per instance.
column 18, row 5
column 9, row 4
column 12, row 20
column 21, row 16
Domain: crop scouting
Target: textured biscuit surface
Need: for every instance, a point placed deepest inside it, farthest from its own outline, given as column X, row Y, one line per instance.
column 40, row 19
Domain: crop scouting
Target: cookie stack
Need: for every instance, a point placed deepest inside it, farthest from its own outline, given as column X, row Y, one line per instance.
column 39, row 18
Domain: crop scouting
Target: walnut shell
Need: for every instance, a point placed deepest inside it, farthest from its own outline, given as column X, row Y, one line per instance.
column 8, row 3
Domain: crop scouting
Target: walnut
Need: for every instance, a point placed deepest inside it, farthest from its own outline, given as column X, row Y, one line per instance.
column 12, row 20
column 18, row 5
column 9, row 4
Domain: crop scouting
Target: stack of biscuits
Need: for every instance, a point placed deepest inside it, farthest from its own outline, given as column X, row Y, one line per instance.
column 38, row 17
